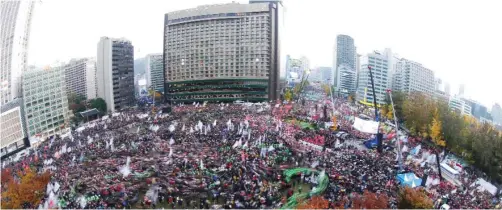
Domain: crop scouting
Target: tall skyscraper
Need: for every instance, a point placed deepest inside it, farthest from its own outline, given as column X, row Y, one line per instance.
column 15, row 20
column 155, row 72
column 411, row 77
column 380, row 67
column 80, row 77
column 45, row 102
column 115, row 73
column 222, row 53
column 344, row 53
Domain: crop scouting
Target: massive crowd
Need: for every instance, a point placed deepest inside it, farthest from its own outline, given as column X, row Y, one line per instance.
column 221, row 156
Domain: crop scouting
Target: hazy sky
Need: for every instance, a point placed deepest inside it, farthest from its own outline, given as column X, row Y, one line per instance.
column 460, row 40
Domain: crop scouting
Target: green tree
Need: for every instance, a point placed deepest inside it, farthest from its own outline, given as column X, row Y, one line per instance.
column 398, row 97
column 418, row 111
column 99, row 104
column 453, row 128
column 76, row 102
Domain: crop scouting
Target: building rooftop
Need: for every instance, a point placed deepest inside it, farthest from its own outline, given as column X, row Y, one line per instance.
column 89, row 113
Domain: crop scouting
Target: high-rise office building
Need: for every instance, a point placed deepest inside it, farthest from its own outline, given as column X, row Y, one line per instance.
column 380, row 64
column 15, row 20
column 13, row 126
column 346, row 77
column 115, row 73
column 460, row 105
column 344, row 53
column 155, row 72
column 222, row 53
column 45, row 102
column 411, row 76
column 80, row 77
column 479, row 111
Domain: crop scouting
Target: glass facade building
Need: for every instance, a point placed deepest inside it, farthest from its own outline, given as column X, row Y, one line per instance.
column 155, row 72
column 45, row 102
column 344, row 54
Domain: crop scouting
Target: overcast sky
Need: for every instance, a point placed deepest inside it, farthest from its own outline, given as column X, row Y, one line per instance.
column 459, row 40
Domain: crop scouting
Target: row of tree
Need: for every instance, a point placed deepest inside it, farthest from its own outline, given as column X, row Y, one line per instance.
column 480, row 144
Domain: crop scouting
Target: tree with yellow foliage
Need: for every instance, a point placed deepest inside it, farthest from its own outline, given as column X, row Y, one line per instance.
column 26, row 193
column 288, row 95
column 387, row 111
column 326, row 88
column 436, row 130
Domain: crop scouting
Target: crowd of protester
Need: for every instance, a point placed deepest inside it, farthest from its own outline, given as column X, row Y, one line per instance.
column 222, row 156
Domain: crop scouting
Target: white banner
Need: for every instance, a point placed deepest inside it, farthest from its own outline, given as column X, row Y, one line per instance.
column 366, row 126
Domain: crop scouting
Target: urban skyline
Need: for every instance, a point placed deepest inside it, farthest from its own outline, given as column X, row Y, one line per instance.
column 437, row 50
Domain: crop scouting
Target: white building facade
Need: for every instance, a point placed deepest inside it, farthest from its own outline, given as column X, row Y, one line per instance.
column 45, row 102
column 12, row 125
column 80, row 77
column 411, row 77
column 381, row 64
column 115, row 73
column 15, row 20
column 461, row 105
